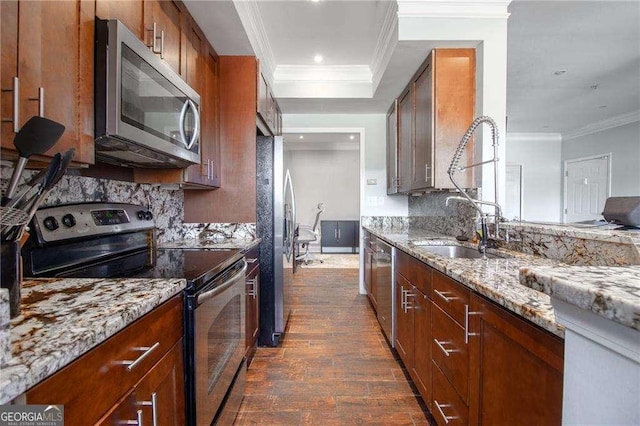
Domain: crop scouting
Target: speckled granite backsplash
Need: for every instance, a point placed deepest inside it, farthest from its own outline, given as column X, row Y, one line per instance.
column 430, row 213
column 167, row 205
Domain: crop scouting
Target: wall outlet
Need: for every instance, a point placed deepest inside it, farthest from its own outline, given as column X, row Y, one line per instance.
column 372, row 201
column 372, row 181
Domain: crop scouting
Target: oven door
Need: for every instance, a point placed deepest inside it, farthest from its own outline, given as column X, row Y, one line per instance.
column 219, row 339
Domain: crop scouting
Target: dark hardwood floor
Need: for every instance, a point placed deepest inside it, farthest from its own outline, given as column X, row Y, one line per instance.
column 334, row 366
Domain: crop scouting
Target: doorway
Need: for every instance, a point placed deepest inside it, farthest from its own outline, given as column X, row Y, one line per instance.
column 587, row 185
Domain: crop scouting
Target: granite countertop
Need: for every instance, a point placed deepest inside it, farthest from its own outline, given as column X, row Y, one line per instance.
column 61, row 319
column 612, row 292
column 497, row 279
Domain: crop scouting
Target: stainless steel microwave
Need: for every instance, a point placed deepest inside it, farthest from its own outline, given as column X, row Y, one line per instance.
column 146, row 115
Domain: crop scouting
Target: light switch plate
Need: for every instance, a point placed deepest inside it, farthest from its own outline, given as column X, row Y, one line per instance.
column 372, row 181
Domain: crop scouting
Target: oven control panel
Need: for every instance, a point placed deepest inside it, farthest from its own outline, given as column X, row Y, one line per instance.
column 69, row 221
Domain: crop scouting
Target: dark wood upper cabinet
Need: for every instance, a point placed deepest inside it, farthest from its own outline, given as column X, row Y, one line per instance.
column 166, row 17
column 35, row 36
column 434, row 111
column 392, row 149
column 269, row 118
column 405, row 140
column 130, row 13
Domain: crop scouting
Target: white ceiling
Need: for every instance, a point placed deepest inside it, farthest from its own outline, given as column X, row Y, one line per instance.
column 596, row 42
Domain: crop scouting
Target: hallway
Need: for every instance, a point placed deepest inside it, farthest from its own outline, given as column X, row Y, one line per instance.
column 334, row 366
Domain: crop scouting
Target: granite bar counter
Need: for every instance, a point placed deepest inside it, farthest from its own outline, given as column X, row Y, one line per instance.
column 61, row 319
column 612, row 292
column 497, row 278
column 213, row 244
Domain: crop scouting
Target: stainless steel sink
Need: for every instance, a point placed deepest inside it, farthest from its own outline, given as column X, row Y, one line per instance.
column 458, row 252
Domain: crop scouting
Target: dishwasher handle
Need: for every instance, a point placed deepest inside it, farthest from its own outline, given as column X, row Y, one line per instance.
column 202, row 297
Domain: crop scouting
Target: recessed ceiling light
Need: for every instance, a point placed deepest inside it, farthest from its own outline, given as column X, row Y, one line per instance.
column 301, row 137
column 559, row 72
column 352, row 137
column 315, row 1
column 317, row 59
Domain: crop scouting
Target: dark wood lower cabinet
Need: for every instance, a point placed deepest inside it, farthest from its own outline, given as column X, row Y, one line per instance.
column 158, row 398
column 422, row 346
column 499, row 370
column 252, row 320
column 516, row 369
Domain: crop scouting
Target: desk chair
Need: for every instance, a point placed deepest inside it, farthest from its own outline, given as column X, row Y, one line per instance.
column 307, row 235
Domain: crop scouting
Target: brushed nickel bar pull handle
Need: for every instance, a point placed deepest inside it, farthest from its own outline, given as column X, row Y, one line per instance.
column 444, row 416
column 338, row 233
column 444, row 296
column 154, row 39
column 162, row 44
column 16, row 105
column 40, row 99
column 147, row 351
column 253, row 291
column 139, row 417
column 466, row 323
column 154, row 408
column 252, row 259
column 442, row 348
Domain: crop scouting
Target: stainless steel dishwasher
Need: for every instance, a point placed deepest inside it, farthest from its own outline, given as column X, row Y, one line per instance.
column 383, row 281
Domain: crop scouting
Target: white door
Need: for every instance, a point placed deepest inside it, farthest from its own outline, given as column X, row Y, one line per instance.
column 586, row 188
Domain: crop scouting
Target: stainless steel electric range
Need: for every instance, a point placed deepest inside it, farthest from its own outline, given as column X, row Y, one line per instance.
column 116, row 240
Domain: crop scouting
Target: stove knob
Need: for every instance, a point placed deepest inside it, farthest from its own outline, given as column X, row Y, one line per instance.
column 68, row 220
column 148, row 215
column 140, row 214
column 50, row 223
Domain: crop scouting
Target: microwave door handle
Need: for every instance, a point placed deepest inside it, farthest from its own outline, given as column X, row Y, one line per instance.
column 183, row 116
column 202, row 297
column 196, row 127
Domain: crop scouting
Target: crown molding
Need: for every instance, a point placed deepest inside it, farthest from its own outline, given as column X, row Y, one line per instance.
column 534, row 137
column 599, row 126
column 486, row 9
column 386, row 44
column 355, row 73
column 249, row 13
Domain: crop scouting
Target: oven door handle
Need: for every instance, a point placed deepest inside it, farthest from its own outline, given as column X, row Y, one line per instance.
column 222, row 287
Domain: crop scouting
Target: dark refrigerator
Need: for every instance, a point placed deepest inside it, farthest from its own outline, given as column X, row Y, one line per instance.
column 275, row 225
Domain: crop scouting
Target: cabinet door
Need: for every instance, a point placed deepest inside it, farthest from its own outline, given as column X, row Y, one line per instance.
column 194, row 71
column 404, row 320
column 252, row 322
column 423, row 122
column 405, row 140
column 61, row 90
column 392, row 149
column 329, row 233
column 454, row 98
column 517, row 369
column 130, row 13
column 346, row 236
column 422, row 347
column 9, row 70
column 166, row 15
column 263, row 97
column 160, row 394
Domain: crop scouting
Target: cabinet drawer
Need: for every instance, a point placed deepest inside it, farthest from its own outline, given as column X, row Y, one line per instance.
column 451, row 297
column 90, row 385
column 416, row 272
column 448, row 408
column 449, row 351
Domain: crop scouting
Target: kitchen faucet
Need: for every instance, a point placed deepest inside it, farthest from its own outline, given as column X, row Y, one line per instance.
column 453, row 167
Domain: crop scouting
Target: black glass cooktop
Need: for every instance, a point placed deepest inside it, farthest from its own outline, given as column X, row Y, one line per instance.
column 195, row 265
